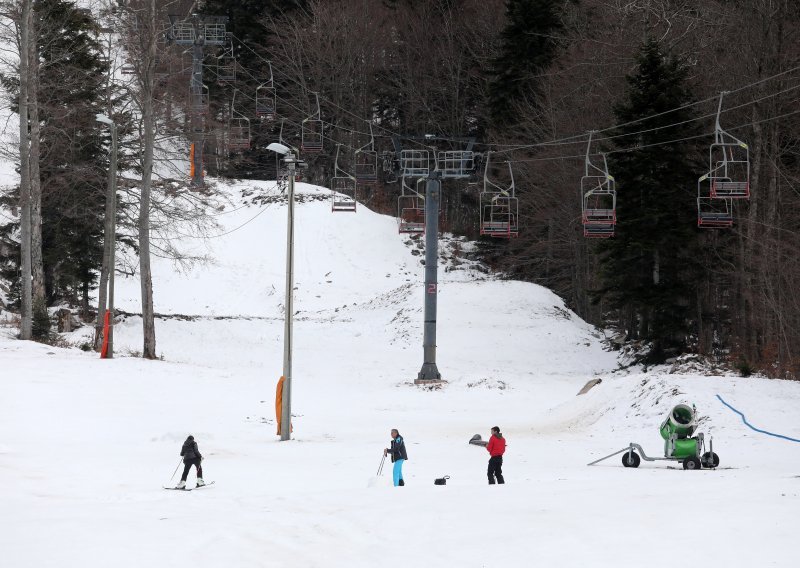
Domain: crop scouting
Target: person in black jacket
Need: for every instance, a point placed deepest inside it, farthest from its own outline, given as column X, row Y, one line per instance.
column 191, row 457
column 397, row 449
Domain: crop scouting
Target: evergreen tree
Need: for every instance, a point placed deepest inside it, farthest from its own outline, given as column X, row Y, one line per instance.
column 71, row 85
column 649, row 267
column 73, row 186
column 527, row 48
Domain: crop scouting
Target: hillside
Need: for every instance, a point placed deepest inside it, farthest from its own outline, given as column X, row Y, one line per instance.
column 86, row 444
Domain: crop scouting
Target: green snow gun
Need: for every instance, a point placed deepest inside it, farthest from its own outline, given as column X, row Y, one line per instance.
column 680, row 445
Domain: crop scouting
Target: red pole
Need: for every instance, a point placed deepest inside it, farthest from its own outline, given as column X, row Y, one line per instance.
column 106, row 323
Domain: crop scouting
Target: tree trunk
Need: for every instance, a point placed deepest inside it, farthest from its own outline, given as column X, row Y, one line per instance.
column 148, row 119
column 37, row 263
column 108, row 228
column 26, row 301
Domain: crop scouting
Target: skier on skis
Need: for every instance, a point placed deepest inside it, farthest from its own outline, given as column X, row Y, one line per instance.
column 496, row 448
column 398, row 450
column 191, row 457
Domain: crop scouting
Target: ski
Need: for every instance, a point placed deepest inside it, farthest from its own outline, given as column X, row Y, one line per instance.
column 188, row 488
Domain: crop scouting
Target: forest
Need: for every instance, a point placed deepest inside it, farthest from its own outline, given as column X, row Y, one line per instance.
column 651, row 99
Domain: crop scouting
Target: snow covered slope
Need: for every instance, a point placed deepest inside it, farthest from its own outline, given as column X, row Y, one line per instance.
column 85, row 445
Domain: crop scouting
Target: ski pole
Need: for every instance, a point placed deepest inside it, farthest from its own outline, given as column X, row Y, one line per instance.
column 380, row 467
column 176, row 469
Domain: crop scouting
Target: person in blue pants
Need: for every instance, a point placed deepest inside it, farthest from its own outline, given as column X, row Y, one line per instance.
column 398, row 451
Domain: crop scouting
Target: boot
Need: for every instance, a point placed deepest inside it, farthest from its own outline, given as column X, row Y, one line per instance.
column 181, row 484
column 200, row 482
column 401, row 483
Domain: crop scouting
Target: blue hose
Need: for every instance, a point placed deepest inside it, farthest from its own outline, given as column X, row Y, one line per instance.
column 753, row 427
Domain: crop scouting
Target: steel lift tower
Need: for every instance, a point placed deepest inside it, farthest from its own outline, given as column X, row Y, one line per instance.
column 197, row 31
column 433, row 167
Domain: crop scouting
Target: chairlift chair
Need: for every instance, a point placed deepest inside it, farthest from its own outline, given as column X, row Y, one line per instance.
column 499, row 206
column 366, row 167
column 712, row 212
column 728, row 163
column 215, row 33
column 730, row 168
column 345, row 194
column 226, row 68
column 499, row 217
column 238, row 133
column 266, row 98
column 414, row 163
column 265, row 102
column 599, row 201
column 389, row 167
column 598, row 231
column 128, row 69
column 312, row 131
column 343, row 187
column 238, row 129
column 183, row 32
column 598, row 198
column 366, row 164
column 455, row 164
column 410, row 210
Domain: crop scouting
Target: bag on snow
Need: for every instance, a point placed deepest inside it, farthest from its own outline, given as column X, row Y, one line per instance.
column 441, row 480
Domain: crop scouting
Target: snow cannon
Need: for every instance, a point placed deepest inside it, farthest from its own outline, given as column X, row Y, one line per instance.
column 676, row 430
column 680, row 443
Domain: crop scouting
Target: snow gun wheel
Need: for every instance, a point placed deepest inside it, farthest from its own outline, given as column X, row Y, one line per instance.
column 710, row 460
column 631, row 459
column 692, row 463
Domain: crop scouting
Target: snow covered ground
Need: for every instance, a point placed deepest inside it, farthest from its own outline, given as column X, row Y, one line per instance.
column 85, row 444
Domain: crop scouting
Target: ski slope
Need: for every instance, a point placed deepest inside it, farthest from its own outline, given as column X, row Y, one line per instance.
column 85, row 444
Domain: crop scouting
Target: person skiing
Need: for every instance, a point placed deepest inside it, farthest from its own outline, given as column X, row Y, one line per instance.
column 397, row 449
column 496, row 448
column 191, row 457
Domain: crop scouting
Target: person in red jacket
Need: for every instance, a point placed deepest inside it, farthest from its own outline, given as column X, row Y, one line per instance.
column 496, row 448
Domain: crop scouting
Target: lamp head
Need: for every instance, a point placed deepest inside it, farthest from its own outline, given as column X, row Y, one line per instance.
column 279, row 148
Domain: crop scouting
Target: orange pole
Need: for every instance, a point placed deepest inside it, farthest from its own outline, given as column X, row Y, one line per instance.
column 106, row 324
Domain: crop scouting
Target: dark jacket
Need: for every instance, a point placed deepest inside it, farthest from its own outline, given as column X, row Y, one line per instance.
column 398, row 449
column 189, row 450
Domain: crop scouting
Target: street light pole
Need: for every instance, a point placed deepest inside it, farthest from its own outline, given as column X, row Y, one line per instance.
column 111, row 234
column 112, row 264
column 286, row 400
column 292, row 163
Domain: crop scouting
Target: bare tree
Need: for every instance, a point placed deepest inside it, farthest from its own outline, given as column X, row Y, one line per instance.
column 24, row 25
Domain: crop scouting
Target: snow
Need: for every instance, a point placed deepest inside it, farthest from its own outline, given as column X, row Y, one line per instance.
column 85, row 444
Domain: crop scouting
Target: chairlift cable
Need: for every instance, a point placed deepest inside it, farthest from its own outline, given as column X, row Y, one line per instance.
column 655, row 144
column 568, row 140
column 332, row 104
column 580, row 138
